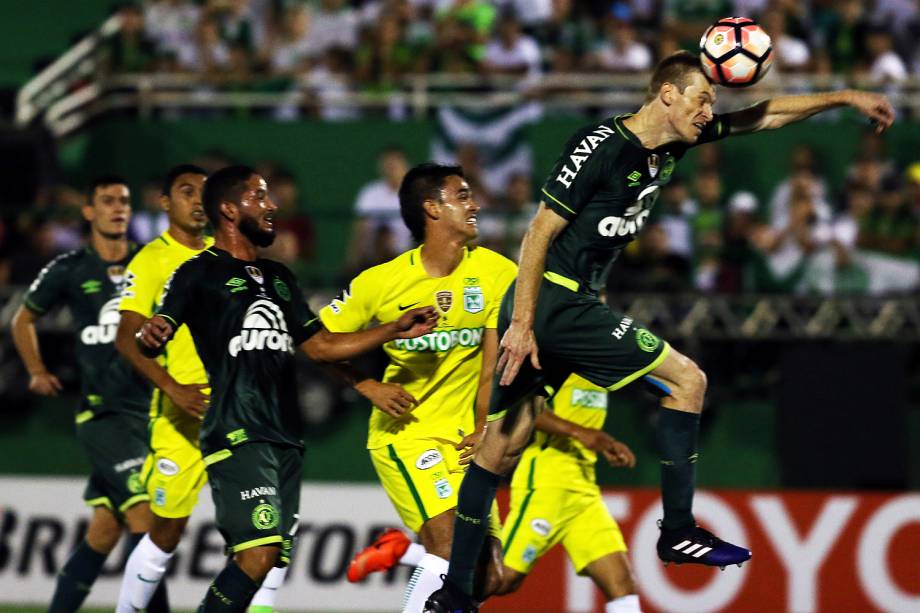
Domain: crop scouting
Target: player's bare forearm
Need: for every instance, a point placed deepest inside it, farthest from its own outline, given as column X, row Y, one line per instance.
column 126, row 344
column 548, row 422
column 783, row 110
column 545, row 226
column 26, row 341
column 325, row 347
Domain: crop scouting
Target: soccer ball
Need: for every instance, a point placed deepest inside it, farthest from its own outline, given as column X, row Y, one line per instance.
column 735, row 52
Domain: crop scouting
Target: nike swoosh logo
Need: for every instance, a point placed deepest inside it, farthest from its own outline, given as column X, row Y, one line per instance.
column 147, row 580
column 408, row 306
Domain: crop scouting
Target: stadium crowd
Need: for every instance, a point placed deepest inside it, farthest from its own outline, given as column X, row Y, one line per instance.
column 369, row 44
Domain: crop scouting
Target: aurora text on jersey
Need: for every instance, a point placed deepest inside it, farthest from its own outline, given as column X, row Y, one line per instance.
column 90, row 288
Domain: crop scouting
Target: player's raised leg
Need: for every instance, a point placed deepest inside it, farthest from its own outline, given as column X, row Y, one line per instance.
column 683, row 384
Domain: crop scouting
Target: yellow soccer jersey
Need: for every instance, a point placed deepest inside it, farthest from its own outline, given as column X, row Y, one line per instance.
column 441, row 369
column 146, row 275
column 559, row 460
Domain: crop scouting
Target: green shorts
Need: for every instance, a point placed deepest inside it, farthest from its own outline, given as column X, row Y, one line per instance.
column 256, row 492
column 116, row 445
column 576, row 333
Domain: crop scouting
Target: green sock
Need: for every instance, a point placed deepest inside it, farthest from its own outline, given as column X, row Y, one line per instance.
column 677, row 436
column 76, row 579
column 159, row 602
column 231, row 590
column 474, row 504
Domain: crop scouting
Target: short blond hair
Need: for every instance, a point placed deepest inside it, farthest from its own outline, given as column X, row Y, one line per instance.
column 676, row 69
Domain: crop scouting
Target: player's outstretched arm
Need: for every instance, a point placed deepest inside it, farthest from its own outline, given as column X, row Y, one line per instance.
column 783, row 110
column 615, row 452
column 189, row 397
column 518, row 342
column 391, row 398
column 40, row 380
column 325, row 346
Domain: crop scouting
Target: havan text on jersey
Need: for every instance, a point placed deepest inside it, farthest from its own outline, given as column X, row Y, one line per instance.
column 581, row 153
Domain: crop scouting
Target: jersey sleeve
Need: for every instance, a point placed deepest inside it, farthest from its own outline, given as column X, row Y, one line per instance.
column 353, row 309
column 179, row 293
column 575, row 179
column 504, row 275
column 717, row 129
column 306, row 323
column 143, row 280
column 48, row 288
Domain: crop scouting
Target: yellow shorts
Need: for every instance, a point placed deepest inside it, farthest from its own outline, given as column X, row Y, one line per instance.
column 173, row 471
column 422, row 478
column 542, row 517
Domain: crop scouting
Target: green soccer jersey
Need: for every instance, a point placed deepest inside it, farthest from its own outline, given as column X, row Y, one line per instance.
column 605, row 184
column 246, row 319
column 91, row 287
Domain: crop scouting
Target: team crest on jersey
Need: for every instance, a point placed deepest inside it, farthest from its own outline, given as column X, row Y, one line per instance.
column 116, row 273
column 473, row 301
column 653, row 161
column 255, row 273
column 445, row 300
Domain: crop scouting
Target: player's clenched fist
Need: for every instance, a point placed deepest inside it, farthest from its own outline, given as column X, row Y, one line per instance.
column 153, row 335
column 416, row 322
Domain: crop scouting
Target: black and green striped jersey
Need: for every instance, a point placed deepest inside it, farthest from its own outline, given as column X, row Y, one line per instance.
column 91, row 288
column 605, row 184
column 246, row 319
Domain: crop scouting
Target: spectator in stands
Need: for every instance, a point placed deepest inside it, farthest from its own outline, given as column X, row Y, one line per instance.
column 791, row 54
column 503, row 225
column 171, row 24
column 329, row 83
column 511, row 51
column 890, row 227
column 335, row 24
column 688, row 20
column 803, row 175
column 293, row 46
column 241, row 24
column 533, row 14
column 209, row 55
column 150, row 221
column 884, row 65
column 676, row 210
column 384, row 55
column 620, row 50
column 463, row 28
column 740, row 223
column 131, row 50
column 377, row 216
column 841, row 28
column 707, row 226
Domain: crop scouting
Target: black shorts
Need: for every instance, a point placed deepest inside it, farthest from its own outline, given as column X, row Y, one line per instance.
column 256, row 491
column 116, row 445
column 576, row 333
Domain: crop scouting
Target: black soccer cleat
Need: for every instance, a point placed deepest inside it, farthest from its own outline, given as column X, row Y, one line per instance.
column 450, row 599
column 695, row 545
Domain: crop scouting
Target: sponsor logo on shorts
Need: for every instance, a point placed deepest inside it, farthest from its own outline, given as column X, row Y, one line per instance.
column 428, row 459
column 473, row 300
column 620, row 331
column 443, row 488
column 540, row 526
column 589, row 399
column 159, row 497
column 135, row 485
column 264, row 517
column 128, row 464
column 167, row 467
column 530, row 554
column 265, row 490
column 646, row 340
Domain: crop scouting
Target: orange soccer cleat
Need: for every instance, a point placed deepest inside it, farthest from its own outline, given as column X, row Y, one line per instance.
column 383, row 554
